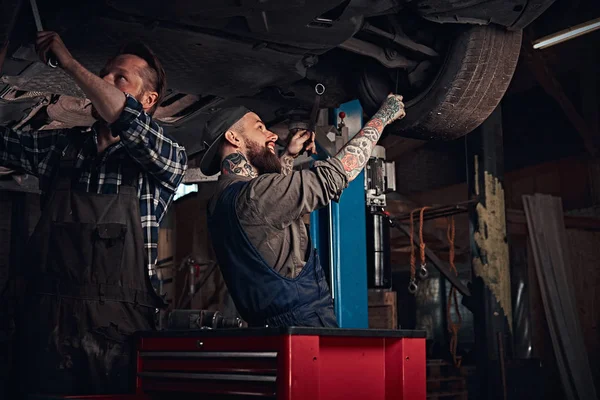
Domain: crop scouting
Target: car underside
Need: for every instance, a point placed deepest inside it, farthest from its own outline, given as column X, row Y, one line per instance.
column 451, row 59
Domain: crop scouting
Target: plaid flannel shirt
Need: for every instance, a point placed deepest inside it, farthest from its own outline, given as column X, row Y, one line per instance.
column 162, row 162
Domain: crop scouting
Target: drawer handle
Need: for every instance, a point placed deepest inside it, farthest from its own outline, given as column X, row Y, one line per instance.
column 208, row 354
column 215, row 377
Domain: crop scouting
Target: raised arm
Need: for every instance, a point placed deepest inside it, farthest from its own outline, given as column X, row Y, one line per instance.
column 146, row 142
column 355, row 154
column 107, row 99
column 159, row 155
column 279, row 199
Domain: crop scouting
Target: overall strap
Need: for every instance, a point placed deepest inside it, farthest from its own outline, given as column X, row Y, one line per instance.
column 63, row 175
column 68, row 160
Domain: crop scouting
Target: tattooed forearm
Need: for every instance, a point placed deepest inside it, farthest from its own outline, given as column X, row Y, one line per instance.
column 236, row 163
column 355, row 154
column 287, row 164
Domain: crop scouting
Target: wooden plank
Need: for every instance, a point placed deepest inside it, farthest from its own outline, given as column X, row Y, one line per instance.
column 517, row 217
column 549, row 244
column 584, row 253
column 382, row 317
column 383, row 310
column 381, row 297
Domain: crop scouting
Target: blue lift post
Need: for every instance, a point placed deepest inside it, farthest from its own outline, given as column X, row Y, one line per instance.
column 339, row 234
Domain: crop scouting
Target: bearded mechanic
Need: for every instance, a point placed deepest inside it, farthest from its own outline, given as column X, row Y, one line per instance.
column 104, row 193
column 255, row 217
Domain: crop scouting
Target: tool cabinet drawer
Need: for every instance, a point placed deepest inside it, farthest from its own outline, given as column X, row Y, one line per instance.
column 282, row 364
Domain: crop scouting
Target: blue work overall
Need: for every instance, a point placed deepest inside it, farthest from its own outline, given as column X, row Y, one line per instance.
column 262, row 296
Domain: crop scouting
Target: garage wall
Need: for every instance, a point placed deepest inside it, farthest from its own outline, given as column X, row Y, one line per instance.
column 575, row 179
column 577, row 182
column 584, row 249
column 190, row 238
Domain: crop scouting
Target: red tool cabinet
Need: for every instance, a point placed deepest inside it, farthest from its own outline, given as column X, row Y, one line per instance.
column 95, row 397
column 283, row 364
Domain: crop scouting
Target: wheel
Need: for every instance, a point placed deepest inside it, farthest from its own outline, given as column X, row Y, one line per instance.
column 469, row 85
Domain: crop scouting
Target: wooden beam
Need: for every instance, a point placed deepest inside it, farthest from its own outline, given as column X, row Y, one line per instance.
column 536, row 63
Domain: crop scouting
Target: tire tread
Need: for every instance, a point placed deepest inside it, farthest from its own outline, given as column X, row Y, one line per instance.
column 473, row 89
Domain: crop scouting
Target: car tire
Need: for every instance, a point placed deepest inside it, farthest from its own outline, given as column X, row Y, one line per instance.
column 478, row 68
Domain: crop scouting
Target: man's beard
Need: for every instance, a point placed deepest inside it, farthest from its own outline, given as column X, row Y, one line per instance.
column 262, row 159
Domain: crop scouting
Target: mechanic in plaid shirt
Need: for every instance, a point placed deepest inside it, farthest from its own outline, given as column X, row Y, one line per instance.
column 104, row 193
column 38, row 153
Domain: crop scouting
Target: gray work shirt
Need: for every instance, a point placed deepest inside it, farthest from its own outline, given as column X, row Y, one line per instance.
column 270, row 209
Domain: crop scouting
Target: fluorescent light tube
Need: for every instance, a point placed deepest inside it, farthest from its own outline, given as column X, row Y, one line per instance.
column 567, row 34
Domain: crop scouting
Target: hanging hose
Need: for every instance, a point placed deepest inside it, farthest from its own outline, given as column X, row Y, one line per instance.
column 453, row 327
column 412, row 286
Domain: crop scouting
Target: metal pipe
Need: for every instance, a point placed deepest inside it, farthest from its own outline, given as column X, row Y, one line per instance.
column 378, row 250
column 439, row 211
column 401, row 41
column 336, row 251
column 370, row 50
column 331, row 250
column 51, row 60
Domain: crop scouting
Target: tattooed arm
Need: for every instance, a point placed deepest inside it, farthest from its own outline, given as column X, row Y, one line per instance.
column 287, row 164
column 237, row 164
column 355, row 154
column 301, row 140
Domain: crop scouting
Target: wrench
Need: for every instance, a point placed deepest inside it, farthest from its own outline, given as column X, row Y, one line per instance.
column 52, row 62
column 319, row 90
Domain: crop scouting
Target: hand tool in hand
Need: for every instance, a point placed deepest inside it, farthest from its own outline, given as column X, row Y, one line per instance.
column 52, row 61
column 319, row 90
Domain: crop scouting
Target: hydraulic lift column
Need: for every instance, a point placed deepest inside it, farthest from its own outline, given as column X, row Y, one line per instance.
column 338, row 231
column 380, row 178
